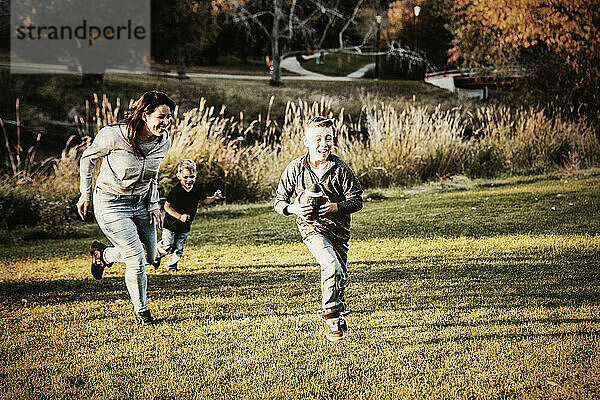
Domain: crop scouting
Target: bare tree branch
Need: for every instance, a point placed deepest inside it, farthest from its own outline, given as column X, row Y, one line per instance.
column 291, row 19
column 350, row 20
column 368, row 35
column 331, row 19
column 253, row 18
column 327, row 10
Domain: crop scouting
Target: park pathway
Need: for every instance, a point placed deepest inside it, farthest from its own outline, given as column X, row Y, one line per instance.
column 293, row 65
column 362, row 71
column 290, row 64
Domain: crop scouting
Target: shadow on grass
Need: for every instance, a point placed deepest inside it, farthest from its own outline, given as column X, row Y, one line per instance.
column 251, row 210
column 108, row 289
column 553, row 210
column 396, row 286
column 521, row 180
column 513, row 336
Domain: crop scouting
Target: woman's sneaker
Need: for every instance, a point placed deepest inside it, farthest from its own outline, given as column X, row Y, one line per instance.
column 334, row 325
column 98, row 262
column 144, row 318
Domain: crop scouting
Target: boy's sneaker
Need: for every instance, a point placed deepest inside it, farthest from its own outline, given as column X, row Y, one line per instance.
column 98, row 262
column 334, row 325
column 342, row 323
column 173, row 267
column 144, row 318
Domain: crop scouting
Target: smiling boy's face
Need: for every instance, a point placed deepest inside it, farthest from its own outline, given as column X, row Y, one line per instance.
column 319, row 141
column 187, row 177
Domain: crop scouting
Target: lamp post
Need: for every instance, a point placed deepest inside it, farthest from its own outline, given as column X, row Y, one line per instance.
column 417, row 11
column 378, row 19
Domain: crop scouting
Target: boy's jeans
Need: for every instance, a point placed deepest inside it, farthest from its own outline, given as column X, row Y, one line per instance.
column 126, row 223
column 172, row 243
column 333, row 259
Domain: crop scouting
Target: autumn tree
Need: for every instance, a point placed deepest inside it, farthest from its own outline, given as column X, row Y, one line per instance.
column 558, row 40
column 293, row 26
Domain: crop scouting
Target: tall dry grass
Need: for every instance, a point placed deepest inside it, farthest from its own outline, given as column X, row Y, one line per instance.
column 527, row 138
column 20, row 162
column 385, row 146
column 405, row 146
column 33, row 192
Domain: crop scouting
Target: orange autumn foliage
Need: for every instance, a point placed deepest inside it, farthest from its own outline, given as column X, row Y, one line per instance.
column 506, row 26
column 558, row 39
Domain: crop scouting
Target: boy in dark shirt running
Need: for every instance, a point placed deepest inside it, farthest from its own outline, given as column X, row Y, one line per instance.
column 180, row 210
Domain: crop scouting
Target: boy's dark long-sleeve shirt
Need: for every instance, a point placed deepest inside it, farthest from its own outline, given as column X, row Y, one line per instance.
column 183, row 202
column 340, row 185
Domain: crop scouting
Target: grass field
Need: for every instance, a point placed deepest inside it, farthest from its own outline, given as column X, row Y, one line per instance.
column 338, row 64
column 459, row 289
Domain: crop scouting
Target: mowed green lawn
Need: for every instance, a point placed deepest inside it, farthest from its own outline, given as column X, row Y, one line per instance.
column 459, row 290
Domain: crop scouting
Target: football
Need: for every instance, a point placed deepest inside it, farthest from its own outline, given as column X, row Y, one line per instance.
column 313, row 195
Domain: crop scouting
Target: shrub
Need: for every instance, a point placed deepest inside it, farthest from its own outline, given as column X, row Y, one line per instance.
column 530, row 139
column 384, row 146
column 393, row 148
column 43, row 199
column 42, row 205
column 17, row 206
column 57, row 211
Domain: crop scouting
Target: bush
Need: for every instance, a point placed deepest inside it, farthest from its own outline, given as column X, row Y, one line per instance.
column 48, row 207
column 17, row 206
column 486, row 160
column 393, row 147
column 57, row 211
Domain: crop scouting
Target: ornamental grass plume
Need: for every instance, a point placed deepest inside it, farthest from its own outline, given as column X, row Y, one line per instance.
column 385, row 145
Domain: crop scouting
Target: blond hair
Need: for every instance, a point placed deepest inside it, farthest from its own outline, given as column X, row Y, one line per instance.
column 188, row 164
column 318, row 121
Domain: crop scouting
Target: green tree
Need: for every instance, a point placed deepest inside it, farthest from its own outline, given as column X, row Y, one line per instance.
column 428, row 33
column 181, row 31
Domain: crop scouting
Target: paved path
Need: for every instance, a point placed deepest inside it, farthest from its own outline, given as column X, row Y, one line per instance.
column 290, row 64
column 361, row 72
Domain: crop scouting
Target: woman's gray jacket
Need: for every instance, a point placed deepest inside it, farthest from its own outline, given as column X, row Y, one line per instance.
column 122, row 172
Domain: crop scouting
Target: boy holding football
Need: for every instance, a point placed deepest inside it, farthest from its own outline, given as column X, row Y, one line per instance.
column 327, row 237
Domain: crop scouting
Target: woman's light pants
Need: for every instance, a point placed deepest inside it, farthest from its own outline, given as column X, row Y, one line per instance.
column 126, row 223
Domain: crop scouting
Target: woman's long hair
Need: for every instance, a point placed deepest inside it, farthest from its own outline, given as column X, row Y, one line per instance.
column 146, row 104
